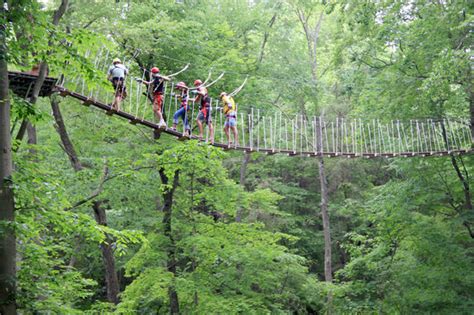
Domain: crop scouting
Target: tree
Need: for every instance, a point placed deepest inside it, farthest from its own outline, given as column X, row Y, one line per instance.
column 7, row 203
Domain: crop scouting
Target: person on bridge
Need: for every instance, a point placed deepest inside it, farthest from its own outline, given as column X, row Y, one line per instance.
column 204, row 115
column 183, row 110
column 230, row 111
column 157, row 85
column 116, row 75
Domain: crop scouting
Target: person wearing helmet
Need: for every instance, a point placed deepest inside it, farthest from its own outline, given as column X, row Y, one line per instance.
column 183, row 109
column 157, row 86
column 204, row 115
column 230, row 111
column 116, row 75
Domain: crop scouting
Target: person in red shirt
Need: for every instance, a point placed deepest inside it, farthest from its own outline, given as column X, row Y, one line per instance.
column 157, row 85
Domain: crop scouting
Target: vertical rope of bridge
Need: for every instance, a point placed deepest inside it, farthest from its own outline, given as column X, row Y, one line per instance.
column 174, row 96
column 145, row 109
column 299, row 129
column 221, row 129
column 208, row 131
column 456, row 133
column 293, row 136
column 345, row 140
column 332, row 137
column 301, row 132
column 243, row 129
column 264, row 132
column 353, row 138
column 435, row 137
column 458, row 136
column 258, row 129
column 271, row 134
column 305, row 130
column 364, row 142
column 399, row 137
column 418, row 139
column 139, row 88
column 336, row 138
column 102, row 68
column 97, row 56
column 428, row 124
column 467, row 133
column 376, row 144
column 391, row 136
column 439, row 135
column 130, row 93
column 76, row 84
column 280, row 139
column 250, row 132
column 382, row 138
column 389, row 144
column 295, row 133
column 286, row 133
column 453, row 137
column 315, row 149
column 371, row 142
column 404, row 135
column 168, row 113
column 326, row 132
column 341, row 135
column 306, row 134
column 275, row 132
column 412, row 147
column 191, row 120
column 424, row 137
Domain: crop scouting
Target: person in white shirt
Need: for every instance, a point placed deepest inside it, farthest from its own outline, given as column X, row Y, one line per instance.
column 116, row 75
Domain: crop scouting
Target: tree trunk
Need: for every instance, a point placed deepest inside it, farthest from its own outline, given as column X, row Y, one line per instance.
column 171, row 248
column 312, row 37
column 243, row 171
column 61, row 129
column 325, row 217
column 324, row 205
column 111, row 279
column 7, row 205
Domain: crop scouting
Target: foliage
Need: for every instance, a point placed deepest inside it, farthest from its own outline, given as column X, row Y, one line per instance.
column 400, row 234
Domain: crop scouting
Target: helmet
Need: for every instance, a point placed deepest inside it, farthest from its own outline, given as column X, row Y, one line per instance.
column 181, row 85
column 116, row 60
column 222, row 94
column 197, row 82
column 155, row 70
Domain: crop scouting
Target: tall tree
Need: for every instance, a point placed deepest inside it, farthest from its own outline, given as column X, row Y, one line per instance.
column 7, row 203
column 312, row 27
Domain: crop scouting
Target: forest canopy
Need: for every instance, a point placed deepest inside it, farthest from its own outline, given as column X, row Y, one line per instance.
column 99, row 215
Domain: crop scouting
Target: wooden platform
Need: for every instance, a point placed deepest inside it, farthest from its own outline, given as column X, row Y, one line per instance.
column 22, row 84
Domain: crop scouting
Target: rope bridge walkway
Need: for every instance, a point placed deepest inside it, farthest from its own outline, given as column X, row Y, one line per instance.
column 258, row 131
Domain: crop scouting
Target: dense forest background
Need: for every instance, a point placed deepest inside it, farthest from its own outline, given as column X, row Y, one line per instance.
column 115, row 221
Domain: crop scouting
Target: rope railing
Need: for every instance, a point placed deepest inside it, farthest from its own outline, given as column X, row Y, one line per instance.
column 272, row 132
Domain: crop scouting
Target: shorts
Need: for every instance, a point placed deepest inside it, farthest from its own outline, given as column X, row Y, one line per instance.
column 158, row 102
column 230, row 122
column 204, row 118
column 119, row 87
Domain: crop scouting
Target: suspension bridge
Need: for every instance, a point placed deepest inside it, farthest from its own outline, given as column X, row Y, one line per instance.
column 258, row 131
